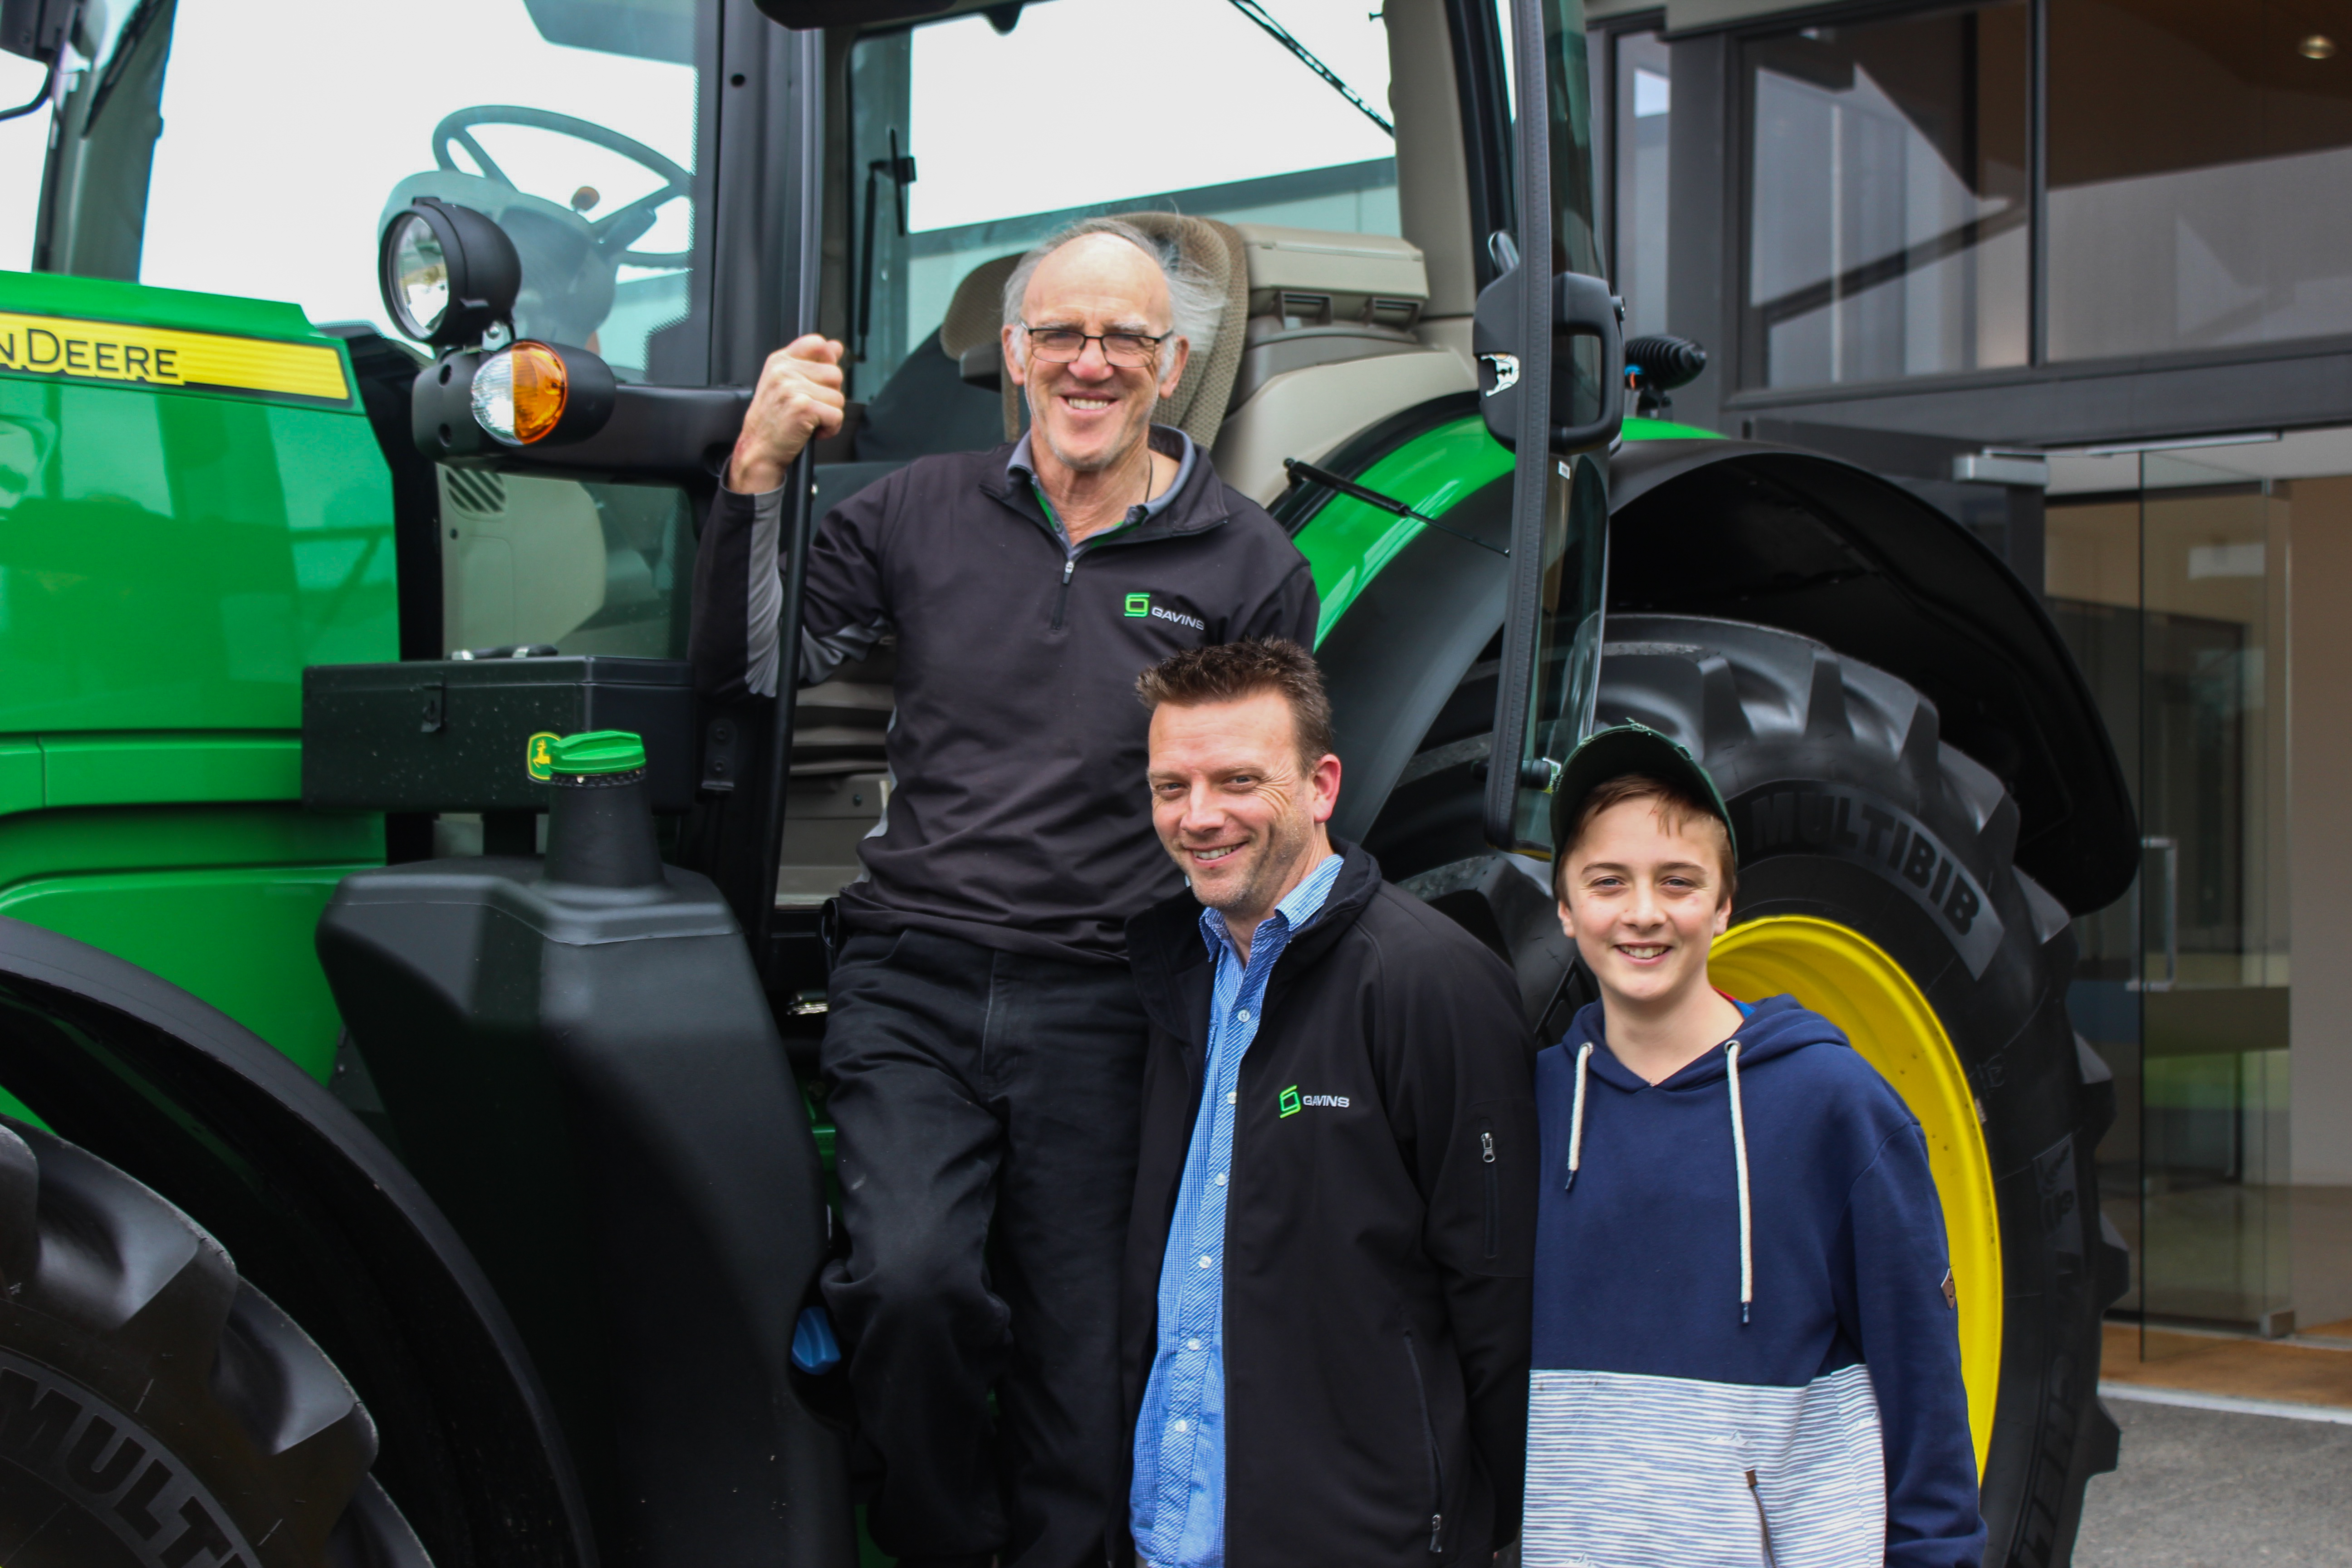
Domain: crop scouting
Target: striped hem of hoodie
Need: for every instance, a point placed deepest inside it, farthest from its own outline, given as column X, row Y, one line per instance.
column 1626, row 1470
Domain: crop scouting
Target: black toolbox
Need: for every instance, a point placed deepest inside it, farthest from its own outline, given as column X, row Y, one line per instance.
column 455, row 734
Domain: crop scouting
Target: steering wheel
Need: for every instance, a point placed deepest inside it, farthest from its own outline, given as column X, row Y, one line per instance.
column 620, row 226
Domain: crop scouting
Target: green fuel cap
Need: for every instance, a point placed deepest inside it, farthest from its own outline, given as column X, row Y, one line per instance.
column 597, row 751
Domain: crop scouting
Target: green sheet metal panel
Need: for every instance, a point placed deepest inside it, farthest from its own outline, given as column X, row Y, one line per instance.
column 1347, row 543
column 1667, row 430
column 240, row 938
column 193, row 506
column 219, row 899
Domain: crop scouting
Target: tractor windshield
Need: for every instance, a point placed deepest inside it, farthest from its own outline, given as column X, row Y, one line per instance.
column 978, row 135
column 572, row 122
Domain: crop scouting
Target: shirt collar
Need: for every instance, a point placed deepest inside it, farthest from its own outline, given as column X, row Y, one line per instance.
column 1297, row 911
column 1165, row 439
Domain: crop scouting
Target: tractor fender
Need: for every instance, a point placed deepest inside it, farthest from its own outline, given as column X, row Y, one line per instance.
column 320, row 1215
column 1780, row 537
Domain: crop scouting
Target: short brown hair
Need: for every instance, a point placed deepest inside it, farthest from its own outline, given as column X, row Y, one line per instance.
column 1227, row 672
column 1678, row 803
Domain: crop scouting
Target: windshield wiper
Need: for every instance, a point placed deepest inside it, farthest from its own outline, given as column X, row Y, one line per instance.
column 1283, row 35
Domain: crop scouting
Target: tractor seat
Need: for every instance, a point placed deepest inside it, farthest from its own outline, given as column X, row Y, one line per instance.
column 1329, row 349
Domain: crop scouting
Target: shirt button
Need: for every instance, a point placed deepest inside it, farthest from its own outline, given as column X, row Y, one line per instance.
column 1183, row 1426
column 1204, row 1260
column 1221, row 1178
column 1233, row 1097
column 1242, row 1014
column 1192, row 1344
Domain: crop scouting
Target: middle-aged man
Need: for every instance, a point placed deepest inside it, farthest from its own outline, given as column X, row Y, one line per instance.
column 1326, row 1325
column 984, row 1047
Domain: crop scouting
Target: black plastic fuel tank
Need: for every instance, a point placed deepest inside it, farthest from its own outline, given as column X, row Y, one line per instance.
column 576, row 1058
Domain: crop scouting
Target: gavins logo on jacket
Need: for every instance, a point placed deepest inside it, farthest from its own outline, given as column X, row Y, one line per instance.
column 1140, row 604
column 1293, row 1102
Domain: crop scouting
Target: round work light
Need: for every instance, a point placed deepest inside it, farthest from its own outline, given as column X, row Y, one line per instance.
column 448, row 274
column 416, row 276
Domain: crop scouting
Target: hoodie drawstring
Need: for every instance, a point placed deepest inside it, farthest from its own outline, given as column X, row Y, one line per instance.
column 1739, row 1158
column 1576, row 1118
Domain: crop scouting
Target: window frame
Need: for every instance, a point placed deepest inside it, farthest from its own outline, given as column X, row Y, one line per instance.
column 1736, row 357
column 1604, row 37
column 1745, row 356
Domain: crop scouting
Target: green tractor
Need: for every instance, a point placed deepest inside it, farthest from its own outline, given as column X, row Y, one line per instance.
column 380, row 1187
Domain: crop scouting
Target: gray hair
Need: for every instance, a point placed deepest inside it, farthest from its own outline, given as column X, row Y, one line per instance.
column 1195, row 306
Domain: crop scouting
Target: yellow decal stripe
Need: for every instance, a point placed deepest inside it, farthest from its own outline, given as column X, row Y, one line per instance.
column 161, row 356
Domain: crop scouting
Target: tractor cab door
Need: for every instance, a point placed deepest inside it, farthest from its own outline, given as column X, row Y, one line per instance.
column 1550, row 351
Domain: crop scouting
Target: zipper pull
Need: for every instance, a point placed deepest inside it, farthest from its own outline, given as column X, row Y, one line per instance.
column 1069, row 565
column 1437, row 1533
column 1487, row 1147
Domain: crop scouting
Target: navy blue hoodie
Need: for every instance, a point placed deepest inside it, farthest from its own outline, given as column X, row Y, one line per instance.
column 1746, row 1350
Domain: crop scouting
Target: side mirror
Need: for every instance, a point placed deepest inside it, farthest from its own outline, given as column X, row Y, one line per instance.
column 39, row 30
column 36, row 28
column 1588, row 361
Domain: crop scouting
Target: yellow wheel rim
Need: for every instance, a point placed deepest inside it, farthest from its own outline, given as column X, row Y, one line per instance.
column 1851, row 981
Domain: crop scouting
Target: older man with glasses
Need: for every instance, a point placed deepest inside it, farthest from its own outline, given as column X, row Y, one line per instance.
column 983, row 1049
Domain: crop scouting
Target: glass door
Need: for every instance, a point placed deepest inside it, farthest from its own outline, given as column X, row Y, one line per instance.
column 2213, row 899
column 2174, row 600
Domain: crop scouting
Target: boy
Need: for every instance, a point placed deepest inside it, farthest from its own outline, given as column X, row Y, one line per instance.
column 1745, row 1347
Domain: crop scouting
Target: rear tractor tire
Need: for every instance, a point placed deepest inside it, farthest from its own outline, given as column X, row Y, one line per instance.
column 155, row 1410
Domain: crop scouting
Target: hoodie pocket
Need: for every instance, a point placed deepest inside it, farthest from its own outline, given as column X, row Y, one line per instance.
column 1429, row 1437
column 1493, row 1188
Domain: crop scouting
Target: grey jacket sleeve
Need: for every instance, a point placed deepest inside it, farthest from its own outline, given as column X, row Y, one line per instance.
column 738, row 594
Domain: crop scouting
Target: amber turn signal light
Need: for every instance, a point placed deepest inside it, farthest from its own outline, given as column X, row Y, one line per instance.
column 535, row 392
column 519, row 393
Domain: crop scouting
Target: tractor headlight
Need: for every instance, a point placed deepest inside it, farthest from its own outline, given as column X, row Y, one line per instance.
column 416, row 277
column 447, row 273
column 536, row 392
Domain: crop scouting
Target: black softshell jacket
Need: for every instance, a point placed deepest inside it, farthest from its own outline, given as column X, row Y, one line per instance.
column 1377, row 1251
column 1018, row 817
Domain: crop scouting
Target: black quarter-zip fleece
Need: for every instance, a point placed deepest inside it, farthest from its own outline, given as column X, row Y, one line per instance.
column 1019, row 818
column 1379, row 1232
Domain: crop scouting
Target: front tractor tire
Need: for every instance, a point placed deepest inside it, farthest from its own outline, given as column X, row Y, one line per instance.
column 1876, row 884
column 155, row 1410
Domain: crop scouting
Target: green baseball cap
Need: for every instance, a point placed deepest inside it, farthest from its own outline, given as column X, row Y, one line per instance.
column 1624, row 749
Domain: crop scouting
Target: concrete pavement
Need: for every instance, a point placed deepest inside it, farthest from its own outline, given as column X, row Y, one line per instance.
column 2210, row 1488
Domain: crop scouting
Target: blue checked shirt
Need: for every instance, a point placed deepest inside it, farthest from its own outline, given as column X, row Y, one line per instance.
column 1176, row 1506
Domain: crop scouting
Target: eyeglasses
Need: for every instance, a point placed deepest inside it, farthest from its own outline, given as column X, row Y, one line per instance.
column 1062, row 345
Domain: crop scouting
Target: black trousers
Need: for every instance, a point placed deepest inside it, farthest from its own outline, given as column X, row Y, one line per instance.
column 986, row 1105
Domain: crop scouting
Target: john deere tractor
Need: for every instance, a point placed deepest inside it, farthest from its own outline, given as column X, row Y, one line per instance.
column 412, row 1157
